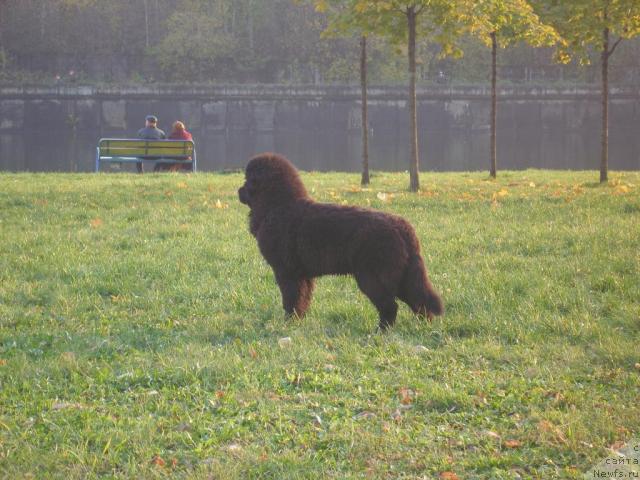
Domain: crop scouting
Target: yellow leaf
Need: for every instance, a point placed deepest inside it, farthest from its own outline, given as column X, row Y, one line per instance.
column 321, row 6
column 182, row 185
column 361, row 7
column 384, row 197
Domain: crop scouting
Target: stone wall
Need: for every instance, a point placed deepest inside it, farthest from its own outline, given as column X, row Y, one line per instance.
column 269, row 108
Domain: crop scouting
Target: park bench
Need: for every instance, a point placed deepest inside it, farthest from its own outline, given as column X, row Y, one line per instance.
column 122, row 150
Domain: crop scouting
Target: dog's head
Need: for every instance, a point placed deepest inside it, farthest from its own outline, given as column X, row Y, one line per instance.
column 270, row 180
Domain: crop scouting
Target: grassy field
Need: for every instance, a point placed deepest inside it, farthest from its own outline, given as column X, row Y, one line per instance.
column 140, row 333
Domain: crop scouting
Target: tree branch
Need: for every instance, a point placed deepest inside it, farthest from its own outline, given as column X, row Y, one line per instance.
column 613, row 48
column 399, row 10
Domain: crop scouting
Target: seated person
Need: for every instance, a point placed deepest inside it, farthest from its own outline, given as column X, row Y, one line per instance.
column 178, row 132
column 150, row 132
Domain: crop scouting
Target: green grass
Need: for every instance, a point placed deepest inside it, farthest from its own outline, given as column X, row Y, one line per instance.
column 139, row 332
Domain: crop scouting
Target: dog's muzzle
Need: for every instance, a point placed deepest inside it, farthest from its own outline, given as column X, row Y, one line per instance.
column 242, row 195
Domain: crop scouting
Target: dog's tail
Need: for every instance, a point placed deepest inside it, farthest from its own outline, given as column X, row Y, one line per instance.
column 418, row 292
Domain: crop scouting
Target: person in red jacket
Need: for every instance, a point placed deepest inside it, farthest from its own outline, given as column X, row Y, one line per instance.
column 178, row 132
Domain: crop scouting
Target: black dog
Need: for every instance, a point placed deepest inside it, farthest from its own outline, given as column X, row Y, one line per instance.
column 302, row 239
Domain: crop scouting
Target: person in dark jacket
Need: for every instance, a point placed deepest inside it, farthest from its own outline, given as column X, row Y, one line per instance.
column 178, row 132
column 150, row 132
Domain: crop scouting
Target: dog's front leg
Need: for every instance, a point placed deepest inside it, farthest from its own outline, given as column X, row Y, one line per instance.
column 296, row 293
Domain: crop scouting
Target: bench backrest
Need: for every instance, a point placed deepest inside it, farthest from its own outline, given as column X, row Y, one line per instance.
column 120, row 147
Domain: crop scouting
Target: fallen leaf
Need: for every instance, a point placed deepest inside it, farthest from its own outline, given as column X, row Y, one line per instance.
column 219, row 204
column 219, row 394
column 449, row 476
column 480, row 398
column 2, row 362
column 284, row 342
column 556, row 396
column 512, row 444
column 157, row 460
column 234, row 448
column 182, row 185
column 96, row 222
column 364, row 415
column 253, row 353
column 428, row 193
column 548, row 427
column 396, row 416
column 317, row 421
column 617, row 445
column 406, row 396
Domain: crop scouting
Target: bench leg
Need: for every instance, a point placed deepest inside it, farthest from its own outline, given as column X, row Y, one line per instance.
column 140, row 167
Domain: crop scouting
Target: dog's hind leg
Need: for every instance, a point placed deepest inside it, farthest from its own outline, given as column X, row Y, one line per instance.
column 296, row 294
column 381, row 297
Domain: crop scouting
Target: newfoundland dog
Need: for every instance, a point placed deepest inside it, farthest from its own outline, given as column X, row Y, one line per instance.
column 302, row 239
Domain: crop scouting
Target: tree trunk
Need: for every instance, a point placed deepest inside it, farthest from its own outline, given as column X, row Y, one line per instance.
column 604, row 159
column 250, row 26
column 365, row 121
column 156, row 30
column 414, row 181
column 494, row 103
column 146, row 24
